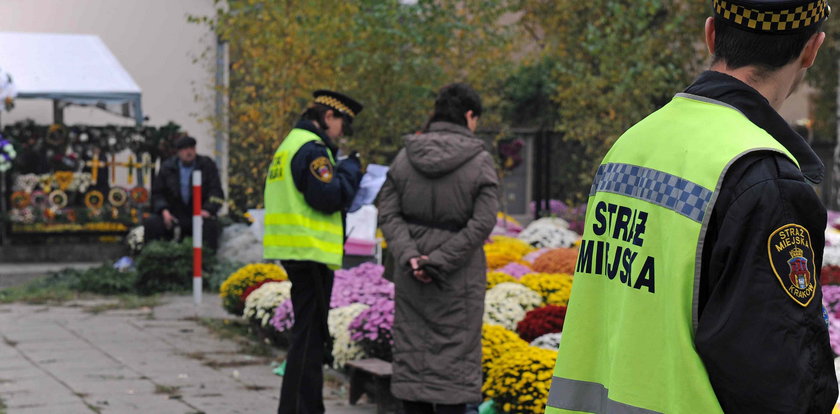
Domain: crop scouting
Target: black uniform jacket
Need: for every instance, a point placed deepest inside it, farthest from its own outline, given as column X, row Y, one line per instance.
column 166, row 188
column 764, row 351
column 325, row 190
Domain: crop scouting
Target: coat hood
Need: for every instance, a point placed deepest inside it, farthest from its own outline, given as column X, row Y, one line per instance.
column 442, row 149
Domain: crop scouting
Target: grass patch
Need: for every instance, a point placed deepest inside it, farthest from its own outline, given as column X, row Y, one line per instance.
column 198, row 356
column 169, row 390
column 234, row 363
column 37, row 293
column 62, row 287
column 2, row 406
column 125, row 302
column 240, row 332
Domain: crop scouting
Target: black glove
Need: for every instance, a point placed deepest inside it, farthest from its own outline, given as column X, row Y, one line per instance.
column 432, row 271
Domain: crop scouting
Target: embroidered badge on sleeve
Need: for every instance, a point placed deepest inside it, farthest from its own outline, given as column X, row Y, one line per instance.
column 322, row 169
column 792, row 261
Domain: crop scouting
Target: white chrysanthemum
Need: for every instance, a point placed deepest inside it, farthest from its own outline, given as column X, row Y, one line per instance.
column 262, row 301
column 344, row 348
column 26, row 182
column 507, row 303
column 135, row 238
column 548, row 341
column 81, row 182
column 831, row 255
column 549, row 232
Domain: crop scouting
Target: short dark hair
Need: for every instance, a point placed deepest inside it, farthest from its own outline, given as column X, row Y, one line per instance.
column 453, row 101
column 766, row 51
column 317, row 112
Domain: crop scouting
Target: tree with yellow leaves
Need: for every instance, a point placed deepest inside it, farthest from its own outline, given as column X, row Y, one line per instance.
column 390, row 56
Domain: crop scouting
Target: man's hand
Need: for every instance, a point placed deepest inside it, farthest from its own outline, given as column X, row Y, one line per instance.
column 417, row 272
column 168, row 219
column 205, row 214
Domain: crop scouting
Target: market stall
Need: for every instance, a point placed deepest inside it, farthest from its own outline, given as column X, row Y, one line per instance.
column 69, row 69
column 79, row 183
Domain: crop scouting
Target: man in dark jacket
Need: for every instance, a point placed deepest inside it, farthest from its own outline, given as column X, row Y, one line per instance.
column 172, row 196
column 748, row 334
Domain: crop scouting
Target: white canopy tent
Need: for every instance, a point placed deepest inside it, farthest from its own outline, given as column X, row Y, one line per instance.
column 69, row 69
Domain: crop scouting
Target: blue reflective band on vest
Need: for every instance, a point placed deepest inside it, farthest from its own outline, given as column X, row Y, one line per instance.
column 657, row 187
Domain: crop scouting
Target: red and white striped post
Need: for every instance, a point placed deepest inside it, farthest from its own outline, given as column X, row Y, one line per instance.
column 197, row 227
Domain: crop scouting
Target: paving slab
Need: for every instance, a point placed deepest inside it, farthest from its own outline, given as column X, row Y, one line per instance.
column 65, row 359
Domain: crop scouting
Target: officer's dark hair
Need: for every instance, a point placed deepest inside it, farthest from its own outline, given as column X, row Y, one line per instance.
column 317, row 112
column 768, row 52
column 453, row 101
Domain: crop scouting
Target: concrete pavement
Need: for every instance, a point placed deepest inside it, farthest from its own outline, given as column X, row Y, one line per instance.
column 65, row 359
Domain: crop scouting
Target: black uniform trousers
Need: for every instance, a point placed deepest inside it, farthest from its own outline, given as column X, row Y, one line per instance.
column 303, row 381
column 155, row 229
column 417, row 407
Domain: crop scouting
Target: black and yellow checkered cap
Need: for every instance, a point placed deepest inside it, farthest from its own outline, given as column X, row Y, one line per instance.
column 772, row 16
column 338, row 101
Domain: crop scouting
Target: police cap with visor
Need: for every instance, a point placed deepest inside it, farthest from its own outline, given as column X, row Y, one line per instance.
column 343, row 104
column 772, row 16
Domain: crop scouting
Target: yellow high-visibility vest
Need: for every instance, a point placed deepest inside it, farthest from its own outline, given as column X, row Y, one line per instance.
column 293, row 229
column 628, row 339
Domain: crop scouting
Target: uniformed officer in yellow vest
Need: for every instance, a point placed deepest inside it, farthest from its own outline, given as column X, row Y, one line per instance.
column 306, row 195
column 697, row 282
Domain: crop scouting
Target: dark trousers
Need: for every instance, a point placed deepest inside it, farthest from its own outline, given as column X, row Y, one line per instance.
column 303, row 383
column 417, row 407
column 155, row 229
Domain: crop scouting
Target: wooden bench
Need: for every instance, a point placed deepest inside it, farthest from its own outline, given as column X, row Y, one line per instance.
column 372, row 377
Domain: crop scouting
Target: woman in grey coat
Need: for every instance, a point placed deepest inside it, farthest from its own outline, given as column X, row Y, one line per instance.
column 436, row 209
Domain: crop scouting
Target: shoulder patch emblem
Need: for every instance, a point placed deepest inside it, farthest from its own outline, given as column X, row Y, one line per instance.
column 792, row 261
column 322, row 169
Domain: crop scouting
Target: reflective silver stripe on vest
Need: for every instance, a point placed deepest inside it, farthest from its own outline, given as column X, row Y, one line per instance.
column 589, row 397
column 654, row 186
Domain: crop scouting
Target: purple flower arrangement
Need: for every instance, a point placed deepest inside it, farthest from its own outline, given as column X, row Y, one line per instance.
column 284, row 317
column 506, row 227
column 7, row 154
column 831, row 299
column 516, row 270
column 372, row 329
column 362, row 284
column 533, row 256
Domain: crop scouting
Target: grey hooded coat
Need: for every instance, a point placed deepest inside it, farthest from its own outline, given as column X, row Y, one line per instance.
column 439, row 200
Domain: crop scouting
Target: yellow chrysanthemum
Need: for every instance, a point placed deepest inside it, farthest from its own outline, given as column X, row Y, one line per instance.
column 381, row 236
column 496, row 341
column 554, row 288
column 503, row 250
column 494, row 278
column 508, row 218
column 232, row 289
column 519, row 381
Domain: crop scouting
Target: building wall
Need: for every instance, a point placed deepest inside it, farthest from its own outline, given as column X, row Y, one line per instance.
column 153, row 41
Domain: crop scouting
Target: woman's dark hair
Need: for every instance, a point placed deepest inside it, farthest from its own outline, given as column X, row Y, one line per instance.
column 317, row 112
column 767, row 52
column 453, row 101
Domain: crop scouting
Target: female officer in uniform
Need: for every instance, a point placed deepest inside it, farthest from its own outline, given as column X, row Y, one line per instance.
column 306, row 194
